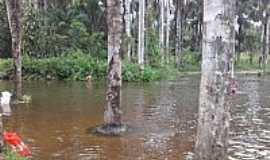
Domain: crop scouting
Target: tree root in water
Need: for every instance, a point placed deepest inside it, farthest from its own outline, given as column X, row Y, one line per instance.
column 111, row 129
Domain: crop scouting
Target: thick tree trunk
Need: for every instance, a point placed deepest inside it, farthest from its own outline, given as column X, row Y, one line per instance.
column 161, row 29
column 128, row 28
column 218, row 48
column 141, row 33
column 179, row 37
column 112, row 115
column 14, row 11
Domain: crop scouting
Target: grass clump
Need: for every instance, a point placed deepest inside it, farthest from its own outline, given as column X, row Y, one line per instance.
column 133, row 73
column 9, row 155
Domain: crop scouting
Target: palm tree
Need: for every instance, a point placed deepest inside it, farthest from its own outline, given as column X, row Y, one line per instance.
column 14, row 11
column 112, row 114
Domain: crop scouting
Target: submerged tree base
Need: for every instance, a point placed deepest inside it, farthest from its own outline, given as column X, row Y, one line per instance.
column 111, row 130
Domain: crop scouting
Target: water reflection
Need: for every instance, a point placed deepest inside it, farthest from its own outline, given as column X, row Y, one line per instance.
column 159, row 118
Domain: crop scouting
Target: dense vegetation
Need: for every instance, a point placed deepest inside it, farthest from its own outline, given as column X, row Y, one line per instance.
column 68, row 41
column 79, row 66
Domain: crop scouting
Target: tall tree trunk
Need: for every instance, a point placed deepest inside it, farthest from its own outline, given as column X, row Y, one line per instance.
column 161, row 30
column 141, row 33
column 200, row 21
column 179, row 37
column 147, row 25
column 239, row 39
column 265, row 41
column 218, row 48
column 128, row 27
column 112, row 115
column 167, row 44
column 14, row 11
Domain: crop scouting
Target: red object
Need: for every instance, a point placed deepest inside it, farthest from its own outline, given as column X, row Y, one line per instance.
column 16, row 143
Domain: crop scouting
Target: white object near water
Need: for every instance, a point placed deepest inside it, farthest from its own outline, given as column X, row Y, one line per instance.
column 5, row 98
column 6, row 109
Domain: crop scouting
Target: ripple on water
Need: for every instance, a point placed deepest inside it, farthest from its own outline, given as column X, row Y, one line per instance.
column 250, row 132
column 91, row 153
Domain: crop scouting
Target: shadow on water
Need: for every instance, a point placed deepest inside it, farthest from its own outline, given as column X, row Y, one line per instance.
column 161, row 115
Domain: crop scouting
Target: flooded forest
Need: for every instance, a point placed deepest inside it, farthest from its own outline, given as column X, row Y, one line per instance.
column 134, row 80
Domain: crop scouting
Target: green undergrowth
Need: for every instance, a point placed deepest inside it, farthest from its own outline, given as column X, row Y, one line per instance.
column 79, row 66
column 245, row 64
column 9, row 155
column 71, row 67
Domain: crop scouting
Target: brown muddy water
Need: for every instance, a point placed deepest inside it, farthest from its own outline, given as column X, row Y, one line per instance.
column 162, row 116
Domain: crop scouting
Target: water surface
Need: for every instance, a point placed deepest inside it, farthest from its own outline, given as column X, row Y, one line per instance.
column 162, row 116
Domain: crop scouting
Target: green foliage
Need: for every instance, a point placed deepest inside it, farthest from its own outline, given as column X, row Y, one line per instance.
column 5, row 65
column 5, row 38
column 77, row 66
column 153, row 49
column 58, row 31
column 252, row 41
column 190, row 57
column 246, row 64
column 9, row 155
column 74, row 66
column 169, row 71
column 150, row 74
column 190, row 61
column 133, row 72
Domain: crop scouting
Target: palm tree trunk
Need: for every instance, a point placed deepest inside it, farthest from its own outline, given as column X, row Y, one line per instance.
column 112, row 115
column 14, row 11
